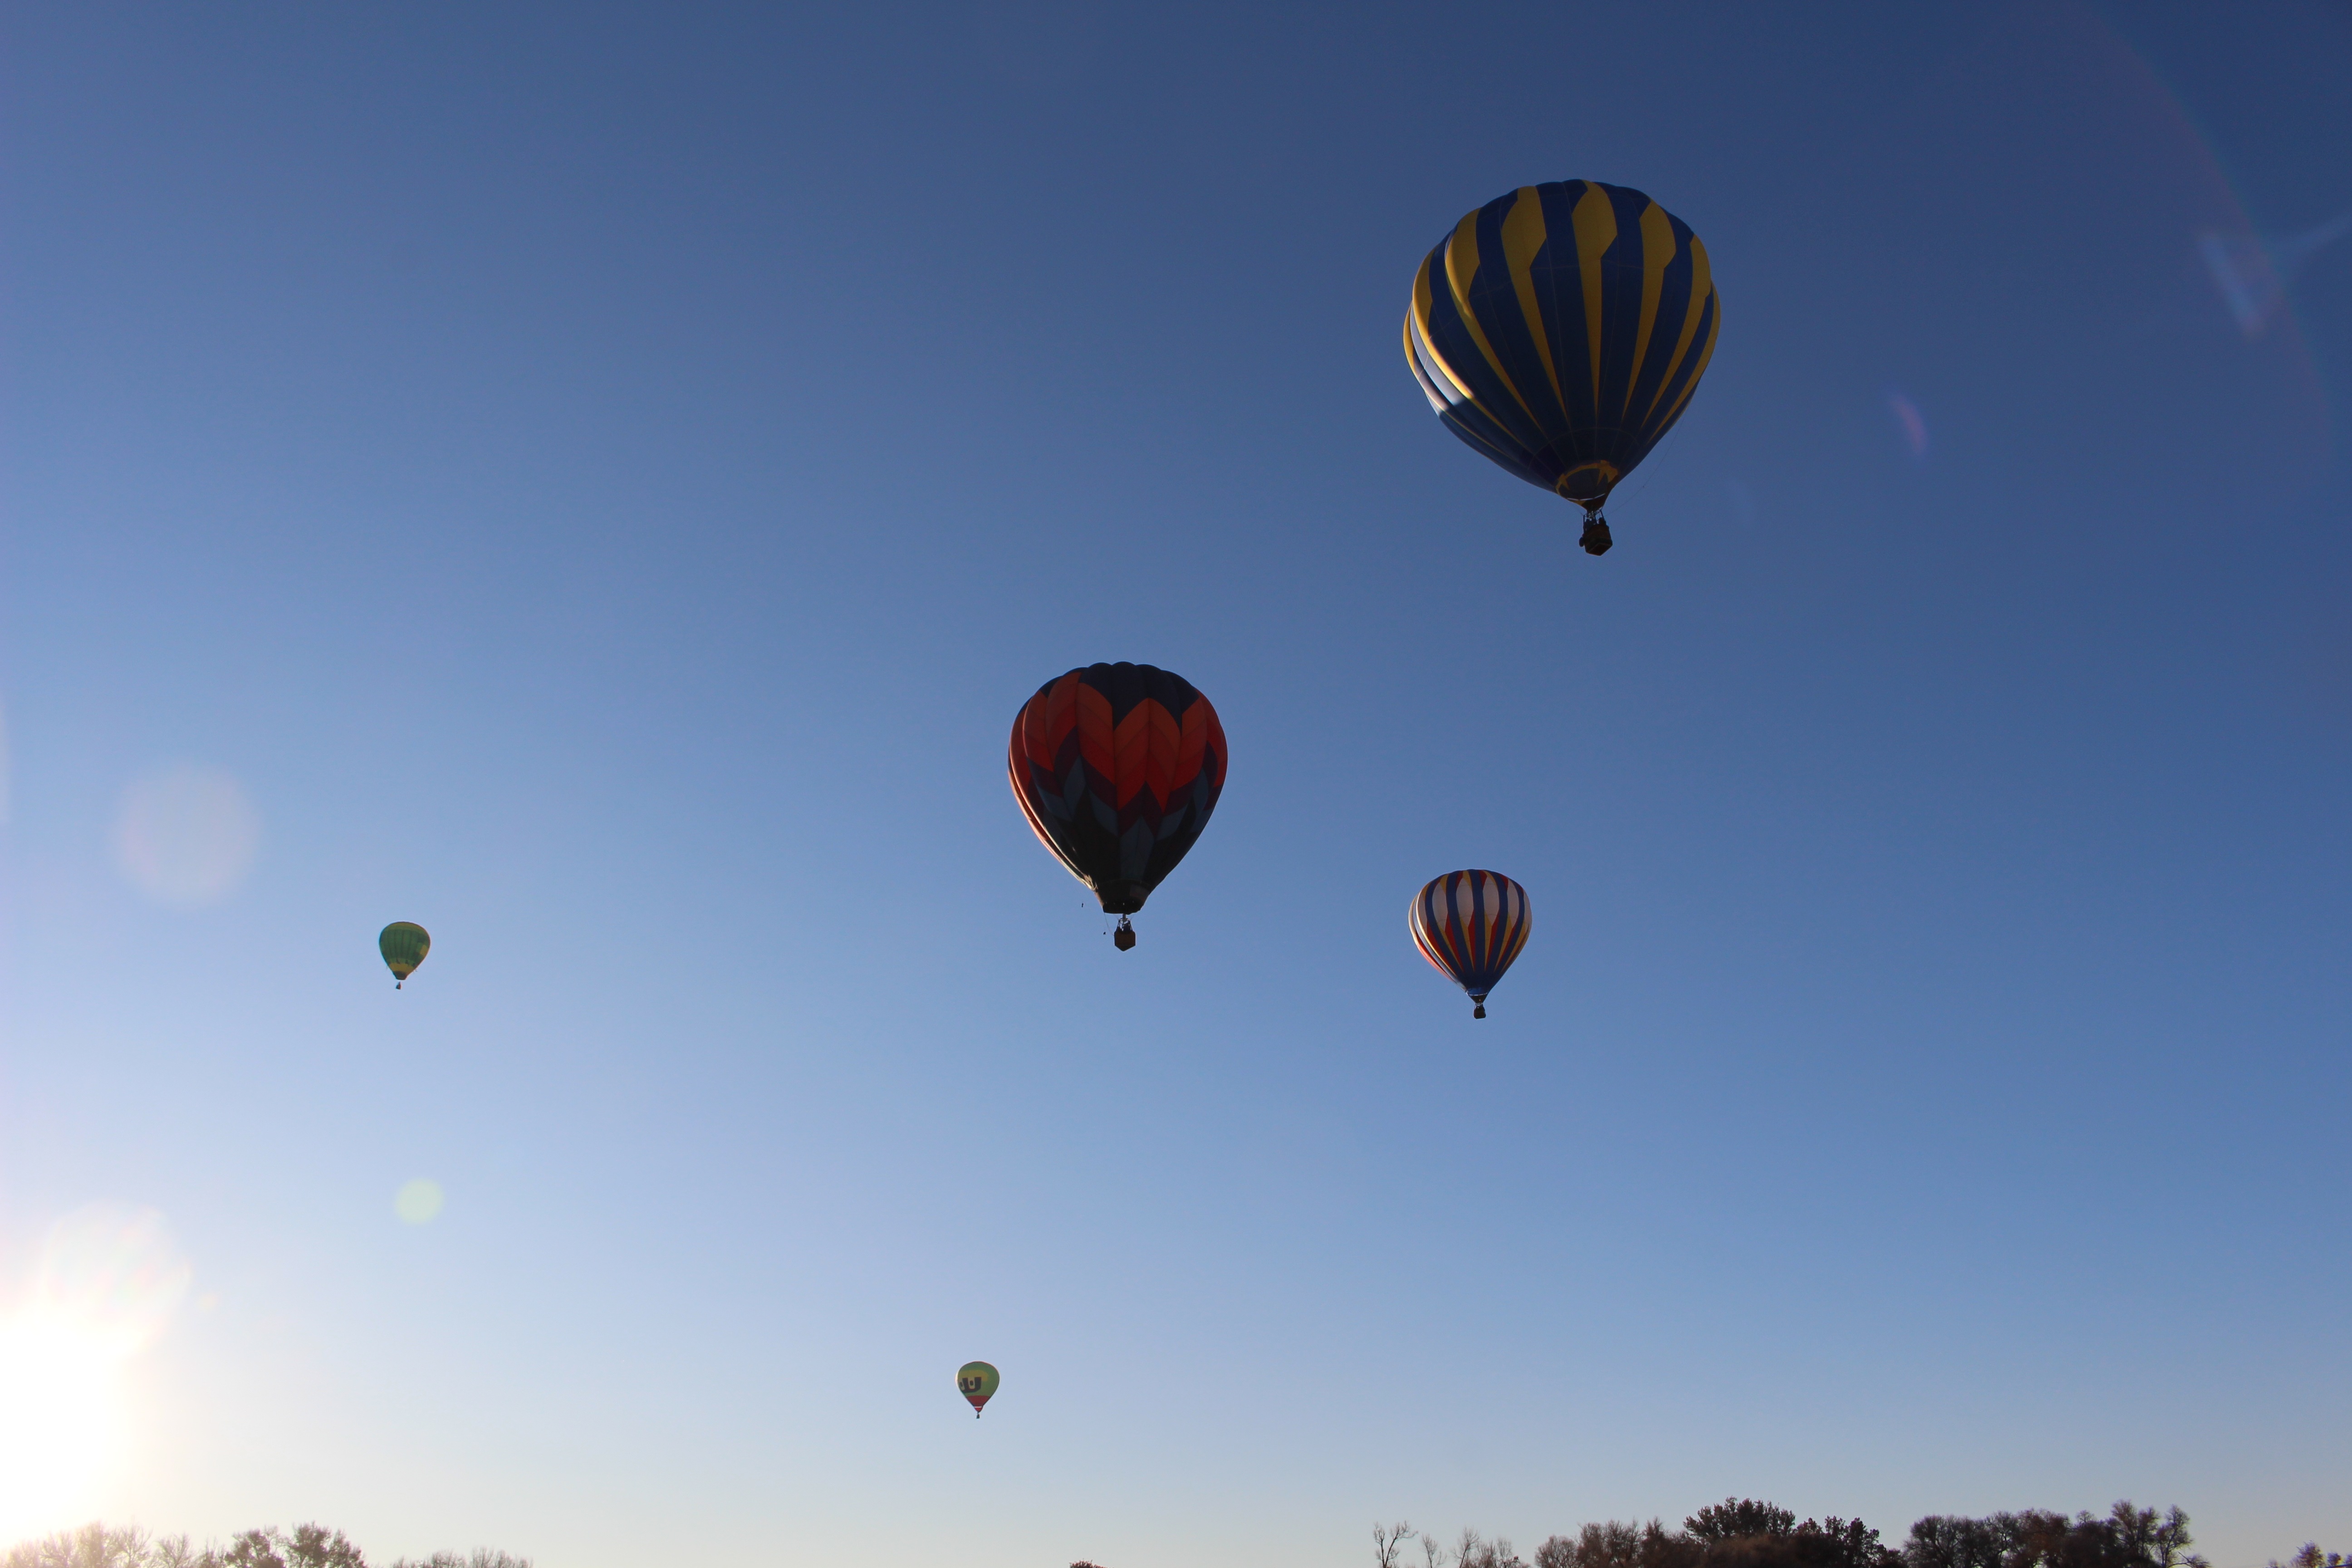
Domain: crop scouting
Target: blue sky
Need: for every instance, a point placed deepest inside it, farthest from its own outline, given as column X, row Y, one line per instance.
column 599, row 482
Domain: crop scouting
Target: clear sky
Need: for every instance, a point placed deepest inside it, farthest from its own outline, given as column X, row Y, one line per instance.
column 599, row 481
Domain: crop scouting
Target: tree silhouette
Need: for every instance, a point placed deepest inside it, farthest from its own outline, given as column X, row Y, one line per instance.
column 1730, row 1520
column 2128, row 1537
column 1744, row 1532
column 306, row 1546
column 2312, row 1557
column 1387, row 1542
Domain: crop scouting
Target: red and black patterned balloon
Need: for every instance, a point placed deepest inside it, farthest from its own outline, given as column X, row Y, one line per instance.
column 1116, row 767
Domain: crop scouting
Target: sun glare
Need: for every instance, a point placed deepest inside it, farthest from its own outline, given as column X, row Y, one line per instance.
column 57, row 1385
column 107, row 1282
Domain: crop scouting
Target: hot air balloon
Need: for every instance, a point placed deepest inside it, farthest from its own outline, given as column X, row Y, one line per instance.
column 976, row 1381
column 403, row 945
column 1470, row 924
column 1116, row 767
column 1560, row 331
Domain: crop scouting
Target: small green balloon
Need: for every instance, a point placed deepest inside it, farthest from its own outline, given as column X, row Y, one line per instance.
column 976, row 1381
column 403, row 945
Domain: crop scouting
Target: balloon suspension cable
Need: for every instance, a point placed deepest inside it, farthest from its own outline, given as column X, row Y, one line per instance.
column 1123, row 938
column 1595, row 538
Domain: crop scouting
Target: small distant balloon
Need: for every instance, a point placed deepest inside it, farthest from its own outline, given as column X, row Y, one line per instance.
column 404, row 944
column 1908, row 419
column 1470, row 925
column 976, row 1381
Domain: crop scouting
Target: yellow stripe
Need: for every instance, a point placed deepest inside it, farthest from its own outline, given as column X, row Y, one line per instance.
column 1416, row 330
column 1420, row 376
column 1702, row 290
column 1523, row 236
column 1596, row 230
column 1704, row 354
column 1417, row 336
column 1461, row 266
column 1657, row 249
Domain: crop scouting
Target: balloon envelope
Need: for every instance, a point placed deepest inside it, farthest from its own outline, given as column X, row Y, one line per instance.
column 1116, row 767
column 1471, row 925
column 976, row 1381
column 1560, row 329
column 404, row 944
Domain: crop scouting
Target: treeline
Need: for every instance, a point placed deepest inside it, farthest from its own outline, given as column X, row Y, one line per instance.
column 1740, row 1532
column 304, row 1546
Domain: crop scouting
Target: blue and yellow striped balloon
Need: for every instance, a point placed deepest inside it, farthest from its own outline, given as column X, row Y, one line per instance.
column 1560, row 331
column 1471, row 925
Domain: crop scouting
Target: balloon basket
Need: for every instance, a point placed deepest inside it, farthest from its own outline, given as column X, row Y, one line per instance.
column 1124, row 937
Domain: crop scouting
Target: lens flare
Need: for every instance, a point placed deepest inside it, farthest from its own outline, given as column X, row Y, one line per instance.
column 418, row 1201
column 58, row 1389
column 112, row 1271
column 107, row 1282
column 1907, row 417
column 187, row 836
column 2241, row 269
column 2253, row 275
